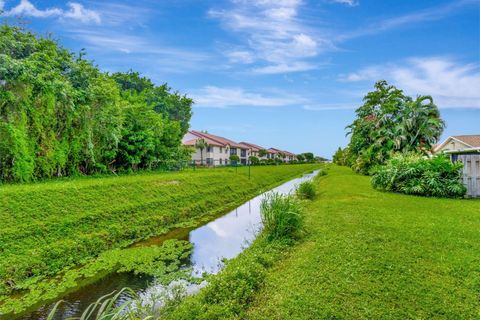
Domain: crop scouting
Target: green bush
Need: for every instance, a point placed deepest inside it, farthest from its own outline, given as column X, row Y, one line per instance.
column 281, row 216
column 254, row 160
column 413, row 174
column 234, row 158
column 306, row 190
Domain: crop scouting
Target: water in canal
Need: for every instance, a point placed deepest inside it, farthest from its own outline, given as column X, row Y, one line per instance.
column 224, row 237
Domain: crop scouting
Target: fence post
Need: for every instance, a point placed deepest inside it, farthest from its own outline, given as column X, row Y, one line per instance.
column 249, row 171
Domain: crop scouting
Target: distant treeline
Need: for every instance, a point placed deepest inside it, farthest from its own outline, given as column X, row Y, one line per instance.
column 60, row 115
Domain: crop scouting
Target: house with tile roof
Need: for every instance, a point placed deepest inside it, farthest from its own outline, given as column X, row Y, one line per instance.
column 459, row 144
column 254, row 150
column 218, row 150
column 465, row 149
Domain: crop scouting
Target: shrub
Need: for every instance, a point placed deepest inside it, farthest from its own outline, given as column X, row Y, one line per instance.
column 253, row 160
column 306, row 190
column 234, row 158
column 413, row 174
column 281, row 216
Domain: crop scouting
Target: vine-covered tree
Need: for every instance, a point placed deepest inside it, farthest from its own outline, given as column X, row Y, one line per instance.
column 60, row 115
column 388, row 122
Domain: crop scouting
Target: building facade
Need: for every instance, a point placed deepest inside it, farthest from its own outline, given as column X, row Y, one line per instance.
column 213, row 150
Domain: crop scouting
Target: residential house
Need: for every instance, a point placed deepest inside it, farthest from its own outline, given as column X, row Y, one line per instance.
column 283, row 155
column 465, row 149
column 459, row 143
column 219, row 149
column 217, row 152
column 253, row 150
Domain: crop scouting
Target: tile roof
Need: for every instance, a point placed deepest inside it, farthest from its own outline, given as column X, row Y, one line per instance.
column 472, row 140
column 252, row 146
column 217, row 139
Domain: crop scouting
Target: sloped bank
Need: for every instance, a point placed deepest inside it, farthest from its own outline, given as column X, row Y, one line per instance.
column 52, row 227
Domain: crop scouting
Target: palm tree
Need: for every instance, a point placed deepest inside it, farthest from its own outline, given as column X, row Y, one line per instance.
column 201, row 144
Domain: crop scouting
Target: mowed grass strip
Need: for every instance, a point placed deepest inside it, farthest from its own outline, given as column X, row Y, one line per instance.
column 374, row 255
column 49, row 226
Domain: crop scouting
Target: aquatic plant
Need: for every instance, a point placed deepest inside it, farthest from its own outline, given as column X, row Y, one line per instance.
column 281, row 216
column 306, row 190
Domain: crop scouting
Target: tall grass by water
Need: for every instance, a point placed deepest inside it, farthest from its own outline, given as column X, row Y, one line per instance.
column 281, row 216
column 306, row 190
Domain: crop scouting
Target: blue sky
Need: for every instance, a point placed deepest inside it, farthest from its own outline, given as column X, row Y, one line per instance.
column 280, row 73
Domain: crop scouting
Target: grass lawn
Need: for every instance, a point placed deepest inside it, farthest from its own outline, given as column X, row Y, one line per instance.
column 49, row 227
column 373, row 255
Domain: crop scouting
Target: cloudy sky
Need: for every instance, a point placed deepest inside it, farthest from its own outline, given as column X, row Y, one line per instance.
column 279, row 73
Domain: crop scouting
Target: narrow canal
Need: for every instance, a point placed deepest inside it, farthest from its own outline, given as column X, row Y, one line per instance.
column 222, row 238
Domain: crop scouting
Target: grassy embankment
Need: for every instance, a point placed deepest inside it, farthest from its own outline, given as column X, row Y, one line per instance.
column 365, row 255
column 51, row 227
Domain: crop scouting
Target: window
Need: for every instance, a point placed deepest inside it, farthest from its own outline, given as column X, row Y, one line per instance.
column 243, row 152
column 226, row 150
column 221, row 149
column 221, row 160
column 233, row 151
column 209, row 149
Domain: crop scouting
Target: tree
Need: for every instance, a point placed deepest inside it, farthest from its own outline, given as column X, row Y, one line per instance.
column 201, row 144
column 234, row 158
column 388, row 122
column 60, row 115
column 262, row 153
column 300, row 157
column 308, row 156
column 253, row 160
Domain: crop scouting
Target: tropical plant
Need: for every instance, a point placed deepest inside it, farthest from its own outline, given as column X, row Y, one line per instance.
column 413, row 174
column 388, row 122
column 253, row 160
column 201, row 144
column 262, row 153
column 61, row 116
column 306, row 190
column 282, row 216
column 300, row 157
column 234, row 158
column 309, row 157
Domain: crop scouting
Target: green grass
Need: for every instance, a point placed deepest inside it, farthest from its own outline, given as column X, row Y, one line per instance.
column 51, row 227
column 306, row 190
column 282, row 216
column 365, row 255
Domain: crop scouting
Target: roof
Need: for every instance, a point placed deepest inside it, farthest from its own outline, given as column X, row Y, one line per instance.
column 472, row 141
column 217, row 140
column 211, row 142
column 288, row 153
column 252, row 146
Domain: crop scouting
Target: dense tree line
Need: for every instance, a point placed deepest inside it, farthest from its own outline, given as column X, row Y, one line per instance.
column 390, row 122
column 60, row 115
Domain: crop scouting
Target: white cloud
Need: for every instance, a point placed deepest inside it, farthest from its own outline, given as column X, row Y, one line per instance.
column 215, row 97
column 333, row 106
column 429, row 14
column 285, row 68
column 452, row 84
column 145, row 50
column 350, row 3
column 273, row 35
column 76, row 12
column 240, row 56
